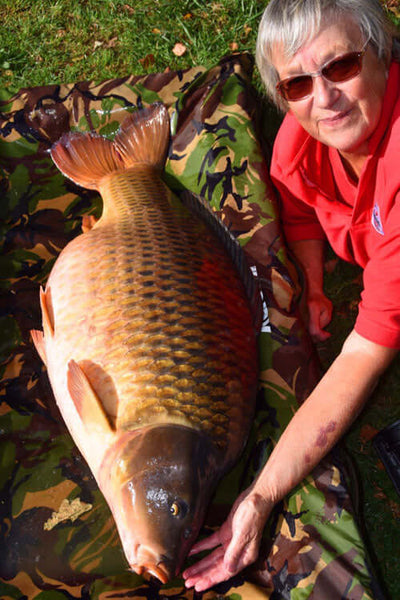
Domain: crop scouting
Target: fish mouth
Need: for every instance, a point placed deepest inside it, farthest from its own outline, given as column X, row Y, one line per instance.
column 160, row 571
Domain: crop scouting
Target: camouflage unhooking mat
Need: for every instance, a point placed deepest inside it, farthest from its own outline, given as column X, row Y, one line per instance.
column 58, row 539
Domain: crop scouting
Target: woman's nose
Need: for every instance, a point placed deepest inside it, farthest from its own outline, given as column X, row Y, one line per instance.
column 325, row 92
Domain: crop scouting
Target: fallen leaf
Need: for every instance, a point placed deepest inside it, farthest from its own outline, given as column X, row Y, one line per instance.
column 234, row 46
column 179, row 49
column 331, row 264
column 156, row 30
column 147, row 61
column 68, row 510
column 112, row 43
column 367, row 433
column 187, row 16
column 247, row 29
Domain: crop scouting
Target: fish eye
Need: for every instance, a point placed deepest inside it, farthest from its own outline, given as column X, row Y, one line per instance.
column 174, row 509
column 178, row 508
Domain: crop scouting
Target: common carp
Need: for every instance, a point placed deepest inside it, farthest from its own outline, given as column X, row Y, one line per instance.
column 149, row 336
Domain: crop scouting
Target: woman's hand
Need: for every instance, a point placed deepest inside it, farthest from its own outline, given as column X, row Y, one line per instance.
column 319, row 316
column 236, row 543
column 310, row 255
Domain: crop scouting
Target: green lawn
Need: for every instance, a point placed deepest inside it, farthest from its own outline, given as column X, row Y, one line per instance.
column 64, row 41
column 52, row 41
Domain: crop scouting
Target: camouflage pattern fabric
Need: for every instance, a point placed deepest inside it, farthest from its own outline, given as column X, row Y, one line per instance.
column 58, row 539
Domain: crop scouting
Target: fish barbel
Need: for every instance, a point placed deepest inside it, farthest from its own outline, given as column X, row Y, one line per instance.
column 149, row 338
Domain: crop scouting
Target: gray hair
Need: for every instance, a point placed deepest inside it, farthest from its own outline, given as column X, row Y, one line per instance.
column 293, row 22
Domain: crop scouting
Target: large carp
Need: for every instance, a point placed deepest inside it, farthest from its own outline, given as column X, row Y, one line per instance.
column 149, row 337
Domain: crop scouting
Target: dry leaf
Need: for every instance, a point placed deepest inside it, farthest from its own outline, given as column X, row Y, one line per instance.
column 367, row 433
column 179, row 49
column 147, row 61
column 156, row 30
column 330, row 265
column 112, row 43
column 68, row 510
column 234, row 46
column 187, row 16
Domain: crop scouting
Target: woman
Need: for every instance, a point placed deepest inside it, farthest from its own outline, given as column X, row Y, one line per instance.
column 333, row 66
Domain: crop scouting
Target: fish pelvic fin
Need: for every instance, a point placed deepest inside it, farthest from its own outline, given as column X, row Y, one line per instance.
column 47, row 312
column 87, row 402
column 38, row 340
column 86, row 158
column 144, row 137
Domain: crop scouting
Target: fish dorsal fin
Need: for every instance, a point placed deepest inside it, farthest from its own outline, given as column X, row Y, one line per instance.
column 86, row 401
column 86, row 158
column 202, row 209
column 47, row 312
column 144, row 137
column 38, row 340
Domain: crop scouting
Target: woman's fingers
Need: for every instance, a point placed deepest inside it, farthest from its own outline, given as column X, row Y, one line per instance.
column 206, row 543
column 320, row 315
column 207, row 572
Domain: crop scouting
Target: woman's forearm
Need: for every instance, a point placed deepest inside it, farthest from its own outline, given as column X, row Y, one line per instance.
column 318, row 313
column 324, row 417
column 310, row 254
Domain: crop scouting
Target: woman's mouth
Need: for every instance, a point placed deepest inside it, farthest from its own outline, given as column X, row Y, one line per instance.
column 336, row 120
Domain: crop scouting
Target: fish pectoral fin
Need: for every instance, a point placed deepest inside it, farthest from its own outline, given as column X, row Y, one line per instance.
column 38, row 340
column 47, row 312
column 86, row 401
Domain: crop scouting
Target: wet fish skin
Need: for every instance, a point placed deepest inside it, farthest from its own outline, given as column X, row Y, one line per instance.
column 150, row 345
column 170, row 491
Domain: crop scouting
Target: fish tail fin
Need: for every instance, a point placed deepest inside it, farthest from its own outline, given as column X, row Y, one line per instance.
column 144, row 137
column 86, row 158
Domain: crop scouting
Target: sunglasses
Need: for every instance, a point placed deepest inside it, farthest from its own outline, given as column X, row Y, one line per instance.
column 338, row 70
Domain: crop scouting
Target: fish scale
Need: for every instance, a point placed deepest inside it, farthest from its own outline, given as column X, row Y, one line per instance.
column 149, row 338
column 118, row 247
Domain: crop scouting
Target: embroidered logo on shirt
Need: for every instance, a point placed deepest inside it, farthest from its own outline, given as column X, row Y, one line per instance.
column 376, row 220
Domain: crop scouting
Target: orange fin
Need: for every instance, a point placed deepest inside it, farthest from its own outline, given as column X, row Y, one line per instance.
column 86, row 401
column 144, row 137
column 47, row 312
column 86, row 158
column 88, row 222
column 38, row 339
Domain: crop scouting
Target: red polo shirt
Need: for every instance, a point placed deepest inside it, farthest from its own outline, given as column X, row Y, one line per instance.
column 361, row 221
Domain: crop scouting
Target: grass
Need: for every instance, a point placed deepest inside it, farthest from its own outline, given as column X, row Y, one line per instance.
column 64, row 41
column 67, row 41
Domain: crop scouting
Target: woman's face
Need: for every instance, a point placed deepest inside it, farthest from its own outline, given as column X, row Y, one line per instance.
column 342, row 115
